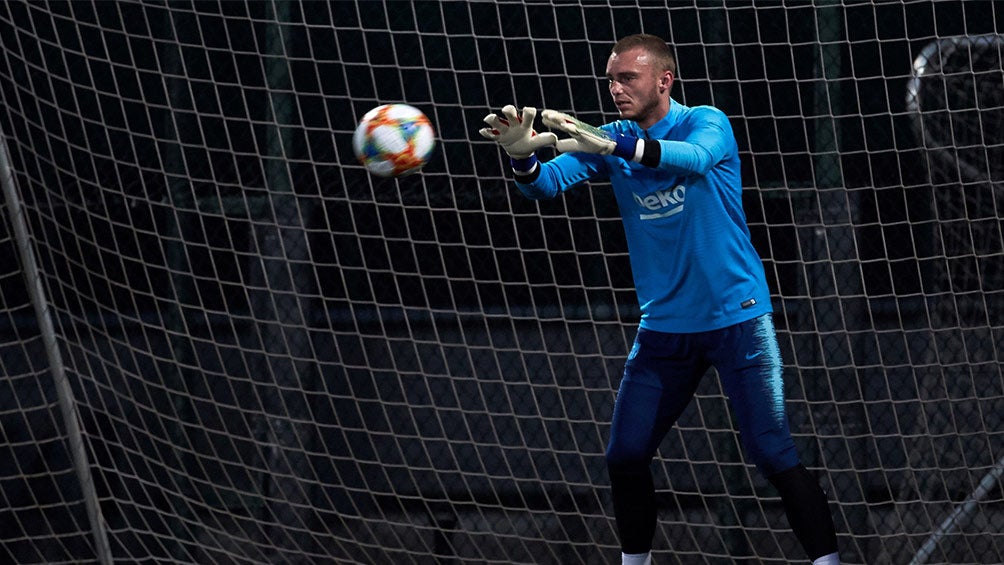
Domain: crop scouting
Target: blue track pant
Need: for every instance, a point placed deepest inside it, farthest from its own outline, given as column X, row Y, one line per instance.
column 660, row 377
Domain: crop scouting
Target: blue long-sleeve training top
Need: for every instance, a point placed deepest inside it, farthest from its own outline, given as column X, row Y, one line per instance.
column 694, row 266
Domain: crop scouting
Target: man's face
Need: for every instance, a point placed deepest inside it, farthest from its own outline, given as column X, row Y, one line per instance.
column 638, row 87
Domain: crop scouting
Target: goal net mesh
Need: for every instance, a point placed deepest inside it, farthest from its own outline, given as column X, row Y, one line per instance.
column 222, row 341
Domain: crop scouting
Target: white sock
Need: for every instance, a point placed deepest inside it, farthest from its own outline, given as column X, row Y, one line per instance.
column 636, row 558
column 831, row 559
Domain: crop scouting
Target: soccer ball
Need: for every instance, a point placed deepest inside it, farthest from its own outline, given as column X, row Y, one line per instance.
column 393, row 140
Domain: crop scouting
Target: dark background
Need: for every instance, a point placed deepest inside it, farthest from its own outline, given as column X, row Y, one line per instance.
column 278, row 358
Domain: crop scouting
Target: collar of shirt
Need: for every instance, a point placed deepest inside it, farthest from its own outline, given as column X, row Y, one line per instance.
column 660, row 129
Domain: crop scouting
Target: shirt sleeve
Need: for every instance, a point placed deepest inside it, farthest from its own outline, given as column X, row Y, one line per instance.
column 708, row 142
column 562, row 173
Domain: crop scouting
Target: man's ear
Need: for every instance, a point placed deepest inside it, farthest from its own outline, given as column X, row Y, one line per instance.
column 666, row 81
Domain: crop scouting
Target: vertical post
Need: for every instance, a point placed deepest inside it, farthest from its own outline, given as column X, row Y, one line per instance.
column 833, row 241
column 64, row 392
column 280, row 299
column 178, row 372
column 834, row 247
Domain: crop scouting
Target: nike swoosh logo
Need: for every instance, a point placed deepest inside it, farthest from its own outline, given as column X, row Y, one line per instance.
column 754, row 355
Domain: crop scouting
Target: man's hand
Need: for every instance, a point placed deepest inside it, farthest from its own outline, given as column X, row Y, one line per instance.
column 584, row 137
column 515, row 133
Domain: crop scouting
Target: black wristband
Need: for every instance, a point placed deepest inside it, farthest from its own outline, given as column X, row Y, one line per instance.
column 652, row 153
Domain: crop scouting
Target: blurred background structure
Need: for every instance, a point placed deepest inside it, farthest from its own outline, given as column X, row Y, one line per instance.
column 221, row 341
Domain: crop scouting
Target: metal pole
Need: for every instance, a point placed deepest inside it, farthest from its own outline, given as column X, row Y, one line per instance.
column 67, row 404
column 963, row 512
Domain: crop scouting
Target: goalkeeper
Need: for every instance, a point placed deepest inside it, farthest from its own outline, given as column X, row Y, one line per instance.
column 700, row 283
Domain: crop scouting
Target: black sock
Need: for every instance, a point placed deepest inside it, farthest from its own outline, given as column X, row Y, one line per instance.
column 807, row 510
column 635, row 509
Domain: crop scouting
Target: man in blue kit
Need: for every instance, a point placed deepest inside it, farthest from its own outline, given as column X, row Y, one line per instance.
column 700, row 283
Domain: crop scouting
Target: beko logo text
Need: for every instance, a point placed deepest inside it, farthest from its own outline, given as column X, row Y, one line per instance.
column 662, row 203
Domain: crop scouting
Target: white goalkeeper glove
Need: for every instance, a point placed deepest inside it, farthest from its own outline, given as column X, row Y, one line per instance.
column 589, row 139
column 515, row 133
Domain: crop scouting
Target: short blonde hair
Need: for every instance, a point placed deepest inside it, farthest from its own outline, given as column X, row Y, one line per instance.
column 653, row 44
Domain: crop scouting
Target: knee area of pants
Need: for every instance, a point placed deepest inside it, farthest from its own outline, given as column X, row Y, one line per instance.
column 773, row 462
column 625, row 463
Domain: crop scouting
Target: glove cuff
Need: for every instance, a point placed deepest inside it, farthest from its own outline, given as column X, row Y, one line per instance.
column 626, row 148
column 524, row 165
